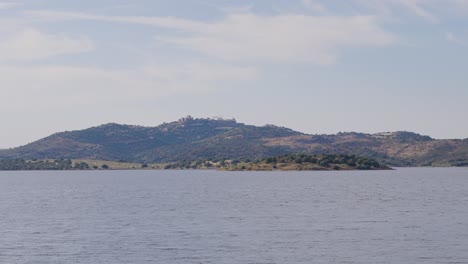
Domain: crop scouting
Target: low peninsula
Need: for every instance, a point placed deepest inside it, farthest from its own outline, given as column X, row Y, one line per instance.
column 291, row 162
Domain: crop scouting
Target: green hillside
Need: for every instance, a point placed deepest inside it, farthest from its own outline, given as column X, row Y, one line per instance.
column 190, row 139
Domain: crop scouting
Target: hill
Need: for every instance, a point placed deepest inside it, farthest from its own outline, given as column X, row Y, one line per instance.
column 203, row 138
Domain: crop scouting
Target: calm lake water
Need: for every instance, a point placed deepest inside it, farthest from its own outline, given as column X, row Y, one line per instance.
column 402, row 216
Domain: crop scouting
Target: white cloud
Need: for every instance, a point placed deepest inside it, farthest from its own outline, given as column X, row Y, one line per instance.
column 451, row 37
column 6, row 5
column 316, row 39
column 416, row 6
column 55, row 87
column 31, row 44
column 167, row 22
column 433, row 11
column 284, row 38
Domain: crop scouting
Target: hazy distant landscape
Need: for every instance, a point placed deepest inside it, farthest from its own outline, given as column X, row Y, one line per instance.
column 200, row 139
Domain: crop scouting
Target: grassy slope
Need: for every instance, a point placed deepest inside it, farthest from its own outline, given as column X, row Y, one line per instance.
column 191, row 139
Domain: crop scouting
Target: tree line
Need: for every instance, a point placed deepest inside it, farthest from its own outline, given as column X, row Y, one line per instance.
column 57, row 164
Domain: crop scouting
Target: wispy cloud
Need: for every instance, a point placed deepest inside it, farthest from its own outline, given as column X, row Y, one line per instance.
column 451, row 37
column 284, row 38
column 416, row 6
column 433, row 11
column 31, row 44
column 168, row 22
column 316, row 39
column 6, row 5
column 314, row 5
column 65, row 85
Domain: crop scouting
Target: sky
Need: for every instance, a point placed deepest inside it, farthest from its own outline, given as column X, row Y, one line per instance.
column 314, row 66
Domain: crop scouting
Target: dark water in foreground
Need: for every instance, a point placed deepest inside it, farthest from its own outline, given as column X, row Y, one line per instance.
column 402, row 216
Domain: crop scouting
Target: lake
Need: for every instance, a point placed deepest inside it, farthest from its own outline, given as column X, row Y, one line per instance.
column 410, row 215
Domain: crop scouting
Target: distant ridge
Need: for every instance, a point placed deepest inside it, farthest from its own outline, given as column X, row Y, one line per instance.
column 201, row 138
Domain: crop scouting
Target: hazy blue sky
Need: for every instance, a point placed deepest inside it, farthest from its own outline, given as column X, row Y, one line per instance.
column 314, row 66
